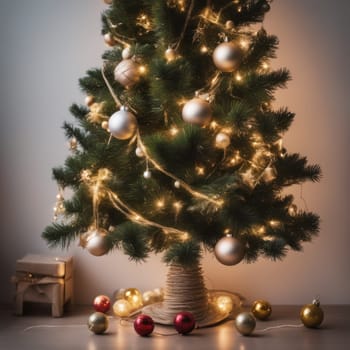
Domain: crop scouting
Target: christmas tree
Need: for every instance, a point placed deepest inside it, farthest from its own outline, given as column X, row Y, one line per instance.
column 179, row 149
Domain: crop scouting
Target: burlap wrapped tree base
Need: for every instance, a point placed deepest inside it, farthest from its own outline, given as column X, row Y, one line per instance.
column 185, row 291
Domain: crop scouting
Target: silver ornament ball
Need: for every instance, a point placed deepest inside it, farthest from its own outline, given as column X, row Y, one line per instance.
column 127, row 53
column 245, row 323
column 222, row 140
column 227, row 56
column 147, row 174
column 127, row 73
column 197, row 111
column 139, row 152
column 98, row 322
column 229, row 250
column 122, row 124
column 96, row 243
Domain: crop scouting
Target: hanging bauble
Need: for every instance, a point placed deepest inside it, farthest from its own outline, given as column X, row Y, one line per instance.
column 98, row 322
column 95, row 242
column 122, row 308
column 109, row 40
column 127, row 53
column 227, row 56
column 147, row 174
column 245, row 323
column 104, row 125
column 184, row 322
column 170, row 54
column 89, row 100
column 127, row 73
column 312, row 315
column 261, row 309
column 139, row 152
column 122, row 124
column 229, row 24
column 197, row 111
column 134, row 297
column 229, row 250
column 143, row 325
column 177, row 184
column 102, row 303
column 222, row 140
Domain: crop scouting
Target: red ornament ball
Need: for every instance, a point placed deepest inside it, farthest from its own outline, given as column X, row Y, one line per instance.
column 184, row 322
column 143, row 325
column 102, row 303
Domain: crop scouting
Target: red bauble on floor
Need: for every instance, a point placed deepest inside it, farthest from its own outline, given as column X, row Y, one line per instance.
column 143, row 325
column 184, row 322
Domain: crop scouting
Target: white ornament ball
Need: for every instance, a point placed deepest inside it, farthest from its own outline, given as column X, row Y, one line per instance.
column 139, row 152
column 227, row 56
column 229, row 250
column 127, row 73
column 147, row 174
column 177, row 184
column 222, row 140
column 96, row 243
column 197, row 111
column 122, row 124
column 127, row 53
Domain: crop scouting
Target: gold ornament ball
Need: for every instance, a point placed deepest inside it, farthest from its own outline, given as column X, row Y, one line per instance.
column 170, row 54
column 312, row 315
column 197, row 111
column 227, row 56
column 122, row 308
column 261, row 309
column 229, row 24
column 229, row 250
column 96, row 242
column 222, row 140
column 134, row 297
column 104, row 125
column 109, row 40
column 98, row 322
column 127, row 73
column 245, row 323
column 89, row 100
column 122, row 124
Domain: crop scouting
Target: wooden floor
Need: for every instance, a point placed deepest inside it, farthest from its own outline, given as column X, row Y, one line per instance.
column 37, row 330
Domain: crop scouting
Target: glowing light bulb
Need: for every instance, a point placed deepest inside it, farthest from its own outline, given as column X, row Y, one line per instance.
column 265, row 66
column 160, row 203
column 200, row 170
column 238, row 77
column 142, row 70
column 224, row 304
column 203, row 49
column 244, row 44
column 274, row 223
column 173, row 131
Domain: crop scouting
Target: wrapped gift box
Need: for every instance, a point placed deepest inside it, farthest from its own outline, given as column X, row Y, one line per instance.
column 44, row 279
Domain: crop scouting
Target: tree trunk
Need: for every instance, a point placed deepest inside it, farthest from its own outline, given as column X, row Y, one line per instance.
column 185, row 291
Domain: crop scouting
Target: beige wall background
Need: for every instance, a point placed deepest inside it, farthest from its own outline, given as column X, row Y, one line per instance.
column 47, row 45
